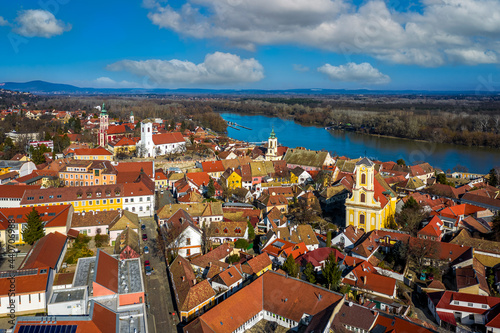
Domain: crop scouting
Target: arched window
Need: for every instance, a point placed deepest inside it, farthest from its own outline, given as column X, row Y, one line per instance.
column 363, row 197
column 362, row 219
column 225, row 230
column 363, row 178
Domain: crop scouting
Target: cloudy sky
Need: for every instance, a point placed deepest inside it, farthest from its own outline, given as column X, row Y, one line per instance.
column 245, row 44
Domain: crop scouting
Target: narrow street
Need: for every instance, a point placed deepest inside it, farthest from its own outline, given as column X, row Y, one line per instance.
column 157, row 286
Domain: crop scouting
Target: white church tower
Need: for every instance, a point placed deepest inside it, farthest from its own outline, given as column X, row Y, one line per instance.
column 146, row 144
column 103, row 127
column 272, row 147
column 132, row 117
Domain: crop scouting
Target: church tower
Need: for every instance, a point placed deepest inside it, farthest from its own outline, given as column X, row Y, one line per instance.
column 272, row 147
column 131, row 117
column 103, row 127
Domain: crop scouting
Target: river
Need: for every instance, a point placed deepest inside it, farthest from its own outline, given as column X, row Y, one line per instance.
column 354, row 145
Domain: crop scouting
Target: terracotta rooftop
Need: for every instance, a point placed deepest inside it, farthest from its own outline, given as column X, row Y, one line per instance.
column 92, row 151
column 106, row 271
column 218, row 254
column 46, row 252
column 286, row 297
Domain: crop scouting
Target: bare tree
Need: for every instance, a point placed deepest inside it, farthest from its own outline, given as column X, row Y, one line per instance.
column 174, row 239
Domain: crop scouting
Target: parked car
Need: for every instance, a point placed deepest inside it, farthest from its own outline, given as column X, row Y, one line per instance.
column 146, row 249
column 143, row 227
column 144, row 237
column 147, row 267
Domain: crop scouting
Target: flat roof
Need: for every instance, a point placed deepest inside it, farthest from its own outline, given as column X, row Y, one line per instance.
column 68, row 295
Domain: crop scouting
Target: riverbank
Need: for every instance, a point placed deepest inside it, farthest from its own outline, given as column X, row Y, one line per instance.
column 354, row 145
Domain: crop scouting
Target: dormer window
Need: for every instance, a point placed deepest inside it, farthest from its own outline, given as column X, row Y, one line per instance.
column 98, row 194
column 225, row 230
column 89, row 194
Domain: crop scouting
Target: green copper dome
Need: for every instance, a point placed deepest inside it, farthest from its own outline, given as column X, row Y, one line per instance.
column 103, row 109
column 272, row 135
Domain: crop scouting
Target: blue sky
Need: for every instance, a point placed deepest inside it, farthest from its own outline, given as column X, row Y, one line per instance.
column 243, row 44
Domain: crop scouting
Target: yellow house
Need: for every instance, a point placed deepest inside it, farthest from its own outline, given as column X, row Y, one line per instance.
column 233, row 178
column 260, row 264
column 83, row 199
column 13, row 221
column 93, row 154
column 372, row 203
column 193, row 297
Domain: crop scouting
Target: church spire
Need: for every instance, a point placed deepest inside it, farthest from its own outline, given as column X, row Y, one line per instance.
column 272, row 135
column 103, row 109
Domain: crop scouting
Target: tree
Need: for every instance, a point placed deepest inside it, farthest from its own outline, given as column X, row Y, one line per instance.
column 332, row 272
column 33, row 230
column 441, row 179
column 420, row 250
column 410, row 216
column 310, row 273
column 291, row 267
column 493, row 178
column 241, row 244
column 251, row 231
column 401, row 162
column 37, row 154
column 210, row 188
column 328, row 239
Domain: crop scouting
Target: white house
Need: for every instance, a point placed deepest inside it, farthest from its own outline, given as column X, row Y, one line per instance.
column 138, row 198
column 183, row 234
column 348, row 237
column 152, row 145
column 32, row 287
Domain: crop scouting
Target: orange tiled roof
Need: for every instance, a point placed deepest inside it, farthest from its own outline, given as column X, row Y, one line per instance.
column 45, row 252
column 92, row 151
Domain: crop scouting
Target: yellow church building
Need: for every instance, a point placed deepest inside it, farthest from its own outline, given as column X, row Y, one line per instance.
column 372, row 203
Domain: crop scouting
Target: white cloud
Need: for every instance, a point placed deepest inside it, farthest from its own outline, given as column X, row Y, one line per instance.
column 218, row 68
column 352, row 72
column 443, row 32
column 300, row 68
column 3, row 22
column 39, row 23
column 106, row 82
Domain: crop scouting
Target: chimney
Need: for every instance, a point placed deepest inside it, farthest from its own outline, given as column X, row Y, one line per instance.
column 194, row 281
column 183, row 278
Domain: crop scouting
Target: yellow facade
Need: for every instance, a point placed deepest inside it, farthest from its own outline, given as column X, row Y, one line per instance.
column 88, row 204
column 293, row 178
column 363, row 209
column 234, row 181
column 128, row 150
column 195, row 312
column 94, row 157
column 267, row 268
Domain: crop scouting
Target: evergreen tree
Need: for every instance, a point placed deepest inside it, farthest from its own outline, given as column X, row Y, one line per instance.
column 34, row 229
column 401, row 162
column 291, row 267
column 251, row 231
column 332, row 272
column 210, row 188
column 493, row 178
column 310, row 273
column 328, row 238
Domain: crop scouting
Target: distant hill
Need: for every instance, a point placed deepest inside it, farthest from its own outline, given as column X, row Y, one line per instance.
column 43, row 87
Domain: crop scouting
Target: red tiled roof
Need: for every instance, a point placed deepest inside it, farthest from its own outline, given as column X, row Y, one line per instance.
column 92, row 151
column 447, row 298
column 45, row 252
column 198, row 178
column 133, row 168
column 284, row 296
column 165, row 138
column 107, row 271
column 433, row 228
column 213, row 166
column 16, row 191
column 25, row 284
column 53, row 216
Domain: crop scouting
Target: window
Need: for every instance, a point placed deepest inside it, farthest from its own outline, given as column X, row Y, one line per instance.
column 117, row 200
column 104, row 202
column 140, row 199
column 126, row 200
column 363, row 197
column 188, row 241
column 131, row 199
column 90, row 203
column 471, row 317
column 363, row 178
column 111, row 201
column 362, row 219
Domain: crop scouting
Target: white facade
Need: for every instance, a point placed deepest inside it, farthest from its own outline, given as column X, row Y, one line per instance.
column 140, row 205
column 189, row 242
column 68, row 302
column 147, row 148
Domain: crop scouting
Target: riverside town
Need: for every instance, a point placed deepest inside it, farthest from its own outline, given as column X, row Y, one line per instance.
column 116, row 220
column 250, row 166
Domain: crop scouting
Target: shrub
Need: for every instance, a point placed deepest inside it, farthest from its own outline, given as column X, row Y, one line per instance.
column 241, row 244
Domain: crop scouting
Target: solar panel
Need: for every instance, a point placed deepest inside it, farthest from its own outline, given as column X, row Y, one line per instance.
column 47, row 328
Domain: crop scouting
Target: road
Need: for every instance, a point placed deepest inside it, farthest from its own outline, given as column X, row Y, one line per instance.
column 157, row 285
